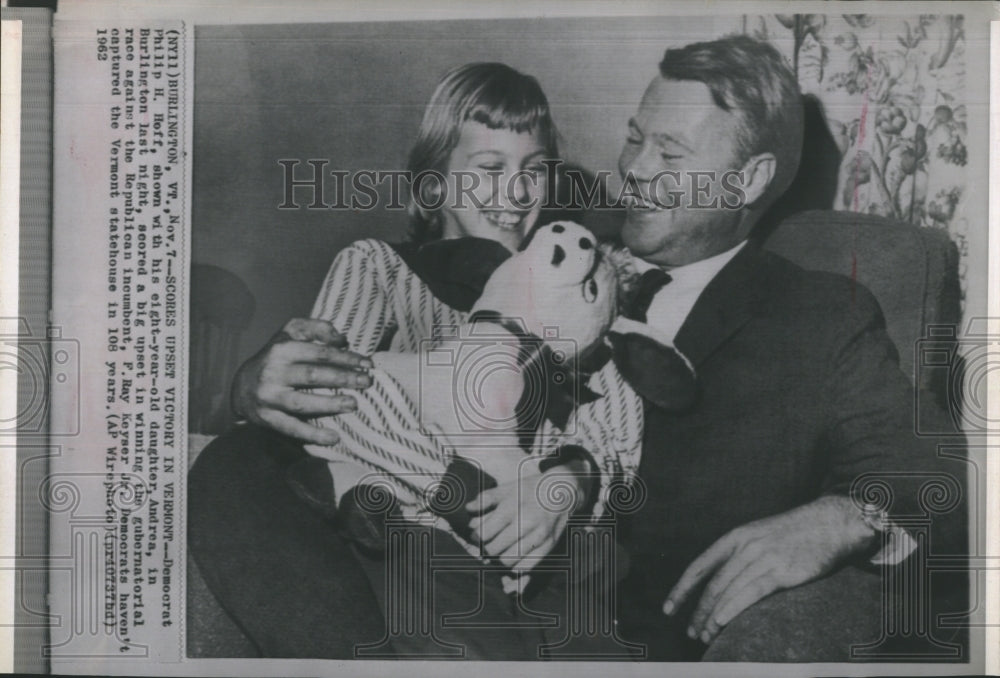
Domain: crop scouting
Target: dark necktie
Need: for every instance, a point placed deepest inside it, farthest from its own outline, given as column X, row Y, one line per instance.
column 650, row 282
column 657, row 372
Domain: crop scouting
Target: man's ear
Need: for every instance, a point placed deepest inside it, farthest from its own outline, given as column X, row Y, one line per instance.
column 758, row 172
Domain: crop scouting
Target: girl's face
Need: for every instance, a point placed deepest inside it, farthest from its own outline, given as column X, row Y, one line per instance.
column 496, row 184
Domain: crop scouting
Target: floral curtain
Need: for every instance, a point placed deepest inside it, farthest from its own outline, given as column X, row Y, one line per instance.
column 893, row 92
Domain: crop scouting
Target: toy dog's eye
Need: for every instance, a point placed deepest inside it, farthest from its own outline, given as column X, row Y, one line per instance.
column 590, row 291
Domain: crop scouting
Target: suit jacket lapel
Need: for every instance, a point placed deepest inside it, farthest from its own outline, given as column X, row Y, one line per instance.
column 726, row 304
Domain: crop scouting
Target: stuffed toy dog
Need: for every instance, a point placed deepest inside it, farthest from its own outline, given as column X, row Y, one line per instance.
column 485, row 388
column 466, row 407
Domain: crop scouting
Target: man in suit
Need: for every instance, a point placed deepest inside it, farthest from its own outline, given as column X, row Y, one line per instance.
column 749, row 492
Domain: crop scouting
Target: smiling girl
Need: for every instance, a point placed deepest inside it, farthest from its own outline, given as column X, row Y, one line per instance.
column 486, row 134
column 487, row 129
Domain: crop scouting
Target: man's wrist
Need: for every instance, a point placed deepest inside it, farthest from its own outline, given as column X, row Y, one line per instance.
column 875, row 524
column 893, row 544
column 859, row 533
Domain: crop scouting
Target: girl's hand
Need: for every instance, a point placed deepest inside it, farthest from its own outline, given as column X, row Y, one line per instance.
column 519, row 522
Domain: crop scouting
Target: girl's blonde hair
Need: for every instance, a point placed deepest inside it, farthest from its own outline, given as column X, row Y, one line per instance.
column 493, row 94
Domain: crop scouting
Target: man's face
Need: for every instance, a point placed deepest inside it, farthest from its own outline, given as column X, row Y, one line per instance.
column 679, row 131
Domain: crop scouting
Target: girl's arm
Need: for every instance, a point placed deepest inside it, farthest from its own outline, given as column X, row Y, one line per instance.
column 355, row 295
column 610, row 429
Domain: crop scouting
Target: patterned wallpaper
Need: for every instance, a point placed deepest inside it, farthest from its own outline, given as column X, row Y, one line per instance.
column 893, row 92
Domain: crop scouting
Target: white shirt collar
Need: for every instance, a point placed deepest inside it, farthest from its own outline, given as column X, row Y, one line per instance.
column 670, row 307
column 696, row 274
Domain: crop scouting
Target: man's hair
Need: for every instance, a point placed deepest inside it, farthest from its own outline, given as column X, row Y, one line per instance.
column 493, row 94
column 751, row 80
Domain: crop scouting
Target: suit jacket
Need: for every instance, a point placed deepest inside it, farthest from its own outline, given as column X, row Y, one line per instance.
column 800, row 395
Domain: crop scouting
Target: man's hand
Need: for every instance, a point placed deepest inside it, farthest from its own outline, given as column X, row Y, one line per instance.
column 514, row 526
column 305, row 354
column 769, row 555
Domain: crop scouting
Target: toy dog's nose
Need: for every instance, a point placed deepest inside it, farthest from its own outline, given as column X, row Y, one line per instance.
column 558, row 254
column 586, row 243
